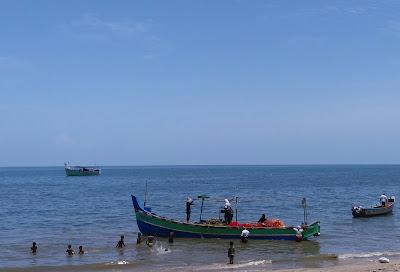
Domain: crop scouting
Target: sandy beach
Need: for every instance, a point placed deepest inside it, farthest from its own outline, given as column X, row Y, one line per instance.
column 357, row 266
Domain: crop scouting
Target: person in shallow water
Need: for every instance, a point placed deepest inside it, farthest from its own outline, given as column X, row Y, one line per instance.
column 244, row 236
column 262, row 219
column 34, row 248
column 81, row 250
column 70, row 251
column 150, row 241
column 120, row 243
column 189, row 203
column 231, row 252
column 139, row 238
column 171, row 237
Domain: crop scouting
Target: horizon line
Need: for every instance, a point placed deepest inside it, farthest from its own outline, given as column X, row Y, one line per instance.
column 194, row 165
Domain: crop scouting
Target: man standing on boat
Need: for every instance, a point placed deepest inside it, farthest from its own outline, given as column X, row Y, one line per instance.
column 383, row 199
column 228, row 212
column 189, row 203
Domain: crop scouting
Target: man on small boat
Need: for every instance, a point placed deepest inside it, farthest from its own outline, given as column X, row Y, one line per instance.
column 383, row 199
column 189, row 203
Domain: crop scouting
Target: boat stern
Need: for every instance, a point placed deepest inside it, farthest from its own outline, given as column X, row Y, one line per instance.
column 312, row 230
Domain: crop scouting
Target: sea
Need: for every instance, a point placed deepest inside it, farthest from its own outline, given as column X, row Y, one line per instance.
column 43, row 205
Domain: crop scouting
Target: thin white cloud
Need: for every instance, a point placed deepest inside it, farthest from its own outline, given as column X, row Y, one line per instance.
column 330, row 10
column 91, row 22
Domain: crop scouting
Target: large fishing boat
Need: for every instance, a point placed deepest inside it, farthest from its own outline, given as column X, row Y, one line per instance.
column 150, row 223
column 81, row 170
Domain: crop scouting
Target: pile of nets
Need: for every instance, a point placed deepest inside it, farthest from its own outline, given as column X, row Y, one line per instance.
column 270, row 223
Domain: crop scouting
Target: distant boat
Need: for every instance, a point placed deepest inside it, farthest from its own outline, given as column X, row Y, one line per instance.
column 359, row 211
column 81, row 170
column 151, row 224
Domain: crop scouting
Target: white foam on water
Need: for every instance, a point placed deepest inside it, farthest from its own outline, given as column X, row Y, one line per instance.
column 160, row 250
column 226, row 266
column 368, row 255
column 121, row 262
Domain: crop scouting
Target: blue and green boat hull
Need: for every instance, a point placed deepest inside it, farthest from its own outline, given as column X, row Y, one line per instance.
column 152, row 224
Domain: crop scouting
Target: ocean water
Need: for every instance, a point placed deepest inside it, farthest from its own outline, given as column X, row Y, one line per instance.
column 43, row 205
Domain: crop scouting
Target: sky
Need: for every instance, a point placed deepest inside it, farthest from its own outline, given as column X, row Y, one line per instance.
column 199, row 82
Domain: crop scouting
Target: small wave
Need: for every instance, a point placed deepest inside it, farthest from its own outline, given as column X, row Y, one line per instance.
column 121, row 262
column 223, row 266
column 321, row 257
column 251, row 263
column 368, row 255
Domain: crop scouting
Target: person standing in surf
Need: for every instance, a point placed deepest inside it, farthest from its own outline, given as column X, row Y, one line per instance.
column 81, row 251
column 34, row 248
column 70, row 251
column 231, row 252
column 120, row 243
column 244, row 236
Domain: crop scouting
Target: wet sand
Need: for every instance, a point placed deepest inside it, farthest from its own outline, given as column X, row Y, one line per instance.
column 357, row 266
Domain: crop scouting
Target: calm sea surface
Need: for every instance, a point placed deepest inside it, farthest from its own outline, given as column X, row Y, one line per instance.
column 43, row 205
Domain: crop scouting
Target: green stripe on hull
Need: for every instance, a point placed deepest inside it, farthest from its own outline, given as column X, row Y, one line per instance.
column 212, row 230
column 80, row 173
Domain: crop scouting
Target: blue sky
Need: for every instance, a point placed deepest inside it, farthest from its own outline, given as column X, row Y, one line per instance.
column 199, row 82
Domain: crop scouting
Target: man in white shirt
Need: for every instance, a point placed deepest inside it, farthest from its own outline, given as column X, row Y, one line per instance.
column 244, row 236
column 383, row 199
column 228, row 212
column 227, row 204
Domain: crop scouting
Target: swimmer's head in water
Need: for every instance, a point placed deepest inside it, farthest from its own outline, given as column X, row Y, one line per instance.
column 69, row 246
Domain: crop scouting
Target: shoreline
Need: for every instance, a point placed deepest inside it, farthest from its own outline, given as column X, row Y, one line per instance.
column 359, row 265
column 366, row 265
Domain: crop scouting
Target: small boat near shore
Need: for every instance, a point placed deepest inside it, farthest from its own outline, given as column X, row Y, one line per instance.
column 150, row 223
column 359, row 211
column 81, row 170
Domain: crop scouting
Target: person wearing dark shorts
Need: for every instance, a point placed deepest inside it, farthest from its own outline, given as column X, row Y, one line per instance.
column 231, row 252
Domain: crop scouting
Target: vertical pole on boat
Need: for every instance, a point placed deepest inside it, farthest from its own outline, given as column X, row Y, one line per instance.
column 145, row 196
column 201, row 209
column 236, row 204
column 304, row 204
column 202, row 203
